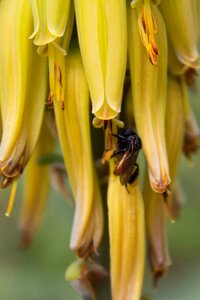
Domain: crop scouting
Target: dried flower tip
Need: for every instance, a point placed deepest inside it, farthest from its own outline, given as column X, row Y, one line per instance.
column 191, row 142
column 191, row 77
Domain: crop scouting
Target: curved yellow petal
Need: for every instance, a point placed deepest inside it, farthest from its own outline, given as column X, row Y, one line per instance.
column 181, row 24
column 50, row 20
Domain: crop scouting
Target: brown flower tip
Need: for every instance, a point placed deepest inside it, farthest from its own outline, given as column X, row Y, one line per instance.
column 191, row 140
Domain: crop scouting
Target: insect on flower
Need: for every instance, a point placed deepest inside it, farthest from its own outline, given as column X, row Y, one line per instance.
column 129, row 145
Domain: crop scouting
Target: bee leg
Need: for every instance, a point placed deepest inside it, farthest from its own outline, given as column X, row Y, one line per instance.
column 119, row 136
column 126, row 186
column 135, row 174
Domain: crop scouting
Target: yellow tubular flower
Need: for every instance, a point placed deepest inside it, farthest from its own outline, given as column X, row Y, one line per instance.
column 179, row 17
column 23, row 90
column 149, row 99
column 32, row 120
column 102, row 37
column 37, row 179
column 74, row 135
column 53, row 23
column 155, row 208
column 15, row 68
column 126, row 231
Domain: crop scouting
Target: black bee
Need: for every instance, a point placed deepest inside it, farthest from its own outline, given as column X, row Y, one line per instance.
column 129, row 145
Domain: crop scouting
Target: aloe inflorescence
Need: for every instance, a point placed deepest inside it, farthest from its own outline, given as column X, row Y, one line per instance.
column 69, row 66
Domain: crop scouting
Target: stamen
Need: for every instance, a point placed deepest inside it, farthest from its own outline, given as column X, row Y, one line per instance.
column 51, row 57
column 108, row 141
column 12, row 198
column 147, row 29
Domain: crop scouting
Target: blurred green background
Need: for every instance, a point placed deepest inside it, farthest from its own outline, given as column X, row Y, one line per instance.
column 38, row 273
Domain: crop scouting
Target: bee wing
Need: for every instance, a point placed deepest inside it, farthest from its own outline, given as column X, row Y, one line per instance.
column 122, row 163
column 125, row 166
column 125, row 176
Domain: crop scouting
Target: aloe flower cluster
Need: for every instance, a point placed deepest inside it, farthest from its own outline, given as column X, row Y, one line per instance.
column 69, row 65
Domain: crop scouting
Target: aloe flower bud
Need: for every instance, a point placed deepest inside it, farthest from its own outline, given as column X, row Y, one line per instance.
column 174, row 118
column 74, row 135
column 102, row 34
column 154, row 204
column 22, row 89
column 149, row 99
column 126, row 231
column 179, row 17
column 15, row 64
